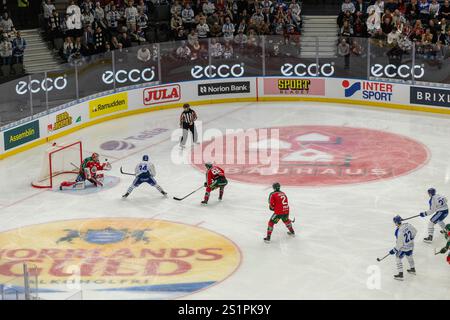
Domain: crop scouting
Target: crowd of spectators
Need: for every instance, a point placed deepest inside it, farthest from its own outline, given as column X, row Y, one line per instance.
column 12, row 47
column 397, row 25
column 89, row 27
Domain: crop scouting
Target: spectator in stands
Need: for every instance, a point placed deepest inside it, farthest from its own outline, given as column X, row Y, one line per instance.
column 360, row 8
column 346, row 30
column 390, row 5
column 373, row 23
column 412, row 11
column 47, row 8
column 344, row 51
column 73, row 20
column 67, row 48
column 216, row 48
column 445, row 10
column 228, row 50
column 183, row 52
column 434, row 9
column 203, row 28
column 144, row 54
column 99, row 16
column 88, row 40
column 228, row 29
column 208, row 7
column 19, row 45
column 187, row 15
column 424, row 11
column 54, row 28
column 112, row 20
column 6, row 23
column 124, row 40
column 348, row 6
column 131, row 14
column 6, row 50
column 99, row 40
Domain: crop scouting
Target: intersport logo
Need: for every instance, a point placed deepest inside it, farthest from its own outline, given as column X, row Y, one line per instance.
column 133, row 76
column 312, row 70
column 392, row 71
column 162, row 94
column 47, row 84
column 222, row 71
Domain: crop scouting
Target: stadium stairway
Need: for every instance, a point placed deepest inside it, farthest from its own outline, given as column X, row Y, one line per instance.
column 323, row 27
column 38, row 57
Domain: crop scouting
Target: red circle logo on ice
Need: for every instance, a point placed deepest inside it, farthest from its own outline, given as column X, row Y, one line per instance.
column 312, row 155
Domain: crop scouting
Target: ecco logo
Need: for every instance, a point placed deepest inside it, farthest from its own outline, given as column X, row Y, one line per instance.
column 134, row 75
column 222, row 71
column 313, row 70
column 391, row 71
column 48, row 84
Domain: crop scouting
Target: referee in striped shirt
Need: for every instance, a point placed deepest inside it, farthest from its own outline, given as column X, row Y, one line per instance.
column 187, row 118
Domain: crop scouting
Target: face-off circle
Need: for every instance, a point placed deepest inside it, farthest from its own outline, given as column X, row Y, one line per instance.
column 317, row 156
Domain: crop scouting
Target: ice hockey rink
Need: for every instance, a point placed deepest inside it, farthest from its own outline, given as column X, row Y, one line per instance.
column 217, row 251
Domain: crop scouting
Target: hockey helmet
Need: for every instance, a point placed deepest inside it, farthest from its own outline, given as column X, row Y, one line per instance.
column 432, row 192
column 145, row 157
column 397, row 219
column 95, row 156
column 208, row 165
column 276, row 186
column 186, row 105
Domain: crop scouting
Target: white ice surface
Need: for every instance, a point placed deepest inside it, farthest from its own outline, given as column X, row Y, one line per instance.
column 341, row 229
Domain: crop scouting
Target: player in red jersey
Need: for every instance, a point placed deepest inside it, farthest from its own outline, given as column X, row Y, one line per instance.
column 215, row 178
column 88, row 171
column 278, row 203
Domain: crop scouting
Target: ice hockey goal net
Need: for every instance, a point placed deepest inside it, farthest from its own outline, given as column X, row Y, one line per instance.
column 61, row 162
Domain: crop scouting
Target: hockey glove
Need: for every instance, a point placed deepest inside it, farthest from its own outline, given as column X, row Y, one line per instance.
column 392, row 251
column 443, row 250
column 423, row 214
column 205, row 185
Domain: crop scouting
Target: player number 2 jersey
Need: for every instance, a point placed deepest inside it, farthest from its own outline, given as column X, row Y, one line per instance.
column 278, row 201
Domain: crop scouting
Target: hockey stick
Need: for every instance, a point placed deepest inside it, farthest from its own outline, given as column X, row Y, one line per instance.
column 75, row 166
column 411, row 217
column 127, row 173
column 379, row 259
column 179, row 199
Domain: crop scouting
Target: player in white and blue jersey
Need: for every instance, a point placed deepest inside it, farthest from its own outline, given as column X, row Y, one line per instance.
column 404, row 246
column 145, row 173
column 439, row 210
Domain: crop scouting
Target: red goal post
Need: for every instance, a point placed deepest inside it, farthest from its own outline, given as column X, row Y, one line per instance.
column 60, row 160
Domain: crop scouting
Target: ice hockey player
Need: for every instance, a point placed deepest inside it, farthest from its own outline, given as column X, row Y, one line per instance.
column 447, row 246
column 144, row 172
column 278, row 203
column 215, row 178
column 439, row 209
column 405, row 234
column 88, row 171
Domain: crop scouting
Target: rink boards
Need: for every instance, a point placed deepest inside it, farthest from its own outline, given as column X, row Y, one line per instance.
column 65, row 119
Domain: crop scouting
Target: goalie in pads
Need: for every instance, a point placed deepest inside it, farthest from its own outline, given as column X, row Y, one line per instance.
column 88, row 171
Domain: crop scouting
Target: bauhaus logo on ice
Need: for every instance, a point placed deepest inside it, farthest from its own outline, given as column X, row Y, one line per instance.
column 161, row 94
column 378, row 91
